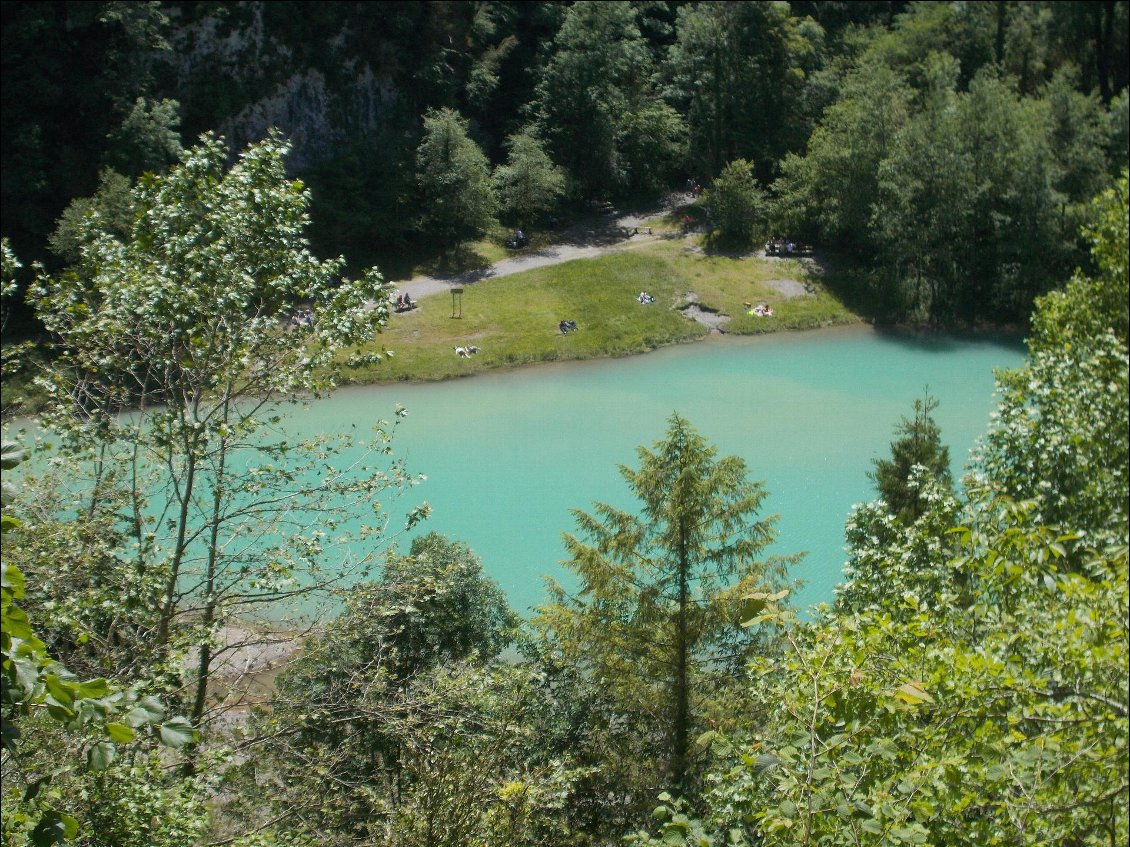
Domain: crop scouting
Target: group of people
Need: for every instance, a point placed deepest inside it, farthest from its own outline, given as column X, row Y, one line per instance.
column 645, row 298
column 519, row 239
column 567, row 326
column 404, row 303
column 762, row 310
column 466, row 351
column 303, row 317
column 778, row 246
column 693, row 187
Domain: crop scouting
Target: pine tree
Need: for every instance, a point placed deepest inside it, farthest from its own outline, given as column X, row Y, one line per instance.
column 919, row 443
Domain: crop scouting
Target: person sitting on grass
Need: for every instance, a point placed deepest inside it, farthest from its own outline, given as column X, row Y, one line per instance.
column 645, row 297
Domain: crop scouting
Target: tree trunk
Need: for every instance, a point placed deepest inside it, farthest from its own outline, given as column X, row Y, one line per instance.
column 168, row 604
column 681, row 729
column 204, row 665
column 1104, row 29
column 1002, row 28
column 716, row 152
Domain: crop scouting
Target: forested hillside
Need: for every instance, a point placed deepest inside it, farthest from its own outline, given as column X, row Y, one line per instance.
column 947, row 149
column 163, row 167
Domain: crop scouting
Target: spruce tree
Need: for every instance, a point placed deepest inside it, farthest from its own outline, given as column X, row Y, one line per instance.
column 919, row 443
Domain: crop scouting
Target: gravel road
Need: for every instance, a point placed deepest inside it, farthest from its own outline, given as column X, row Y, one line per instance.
column 585, row 240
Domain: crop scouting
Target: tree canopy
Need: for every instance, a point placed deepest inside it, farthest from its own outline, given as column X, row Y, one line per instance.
column 969, row 686
column 174, row 174
column 945, row 151
column 656, row 605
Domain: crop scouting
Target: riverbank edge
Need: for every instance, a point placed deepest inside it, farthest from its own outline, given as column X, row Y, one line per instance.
column 353, row 380
column 909, row 330
column 1012, row 332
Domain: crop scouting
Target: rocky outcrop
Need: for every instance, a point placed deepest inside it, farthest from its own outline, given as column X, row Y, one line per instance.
column 234, row 74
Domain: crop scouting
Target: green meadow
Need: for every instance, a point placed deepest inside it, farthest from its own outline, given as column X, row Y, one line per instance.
column 514, row 319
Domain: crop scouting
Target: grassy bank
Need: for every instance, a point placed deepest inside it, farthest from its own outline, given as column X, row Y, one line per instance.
column 514, row 319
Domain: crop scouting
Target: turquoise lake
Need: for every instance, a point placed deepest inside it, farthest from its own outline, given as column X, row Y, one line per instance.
column 507, row 455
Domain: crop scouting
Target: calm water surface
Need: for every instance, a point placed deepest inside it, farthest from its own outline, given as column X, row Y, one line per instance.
column 507, row 455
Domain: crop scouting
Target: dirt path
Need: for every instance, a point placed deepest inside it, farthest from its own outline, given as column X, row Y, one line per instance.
column 585, row 240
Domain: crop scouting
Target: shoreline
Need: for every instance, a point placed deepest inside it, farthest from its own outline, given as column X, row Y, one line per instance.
column 1009, row 333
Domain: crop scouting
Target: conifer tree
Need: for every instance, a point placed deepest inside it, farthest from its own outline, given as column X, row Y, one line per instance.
column 659, row 587
column 919, row 443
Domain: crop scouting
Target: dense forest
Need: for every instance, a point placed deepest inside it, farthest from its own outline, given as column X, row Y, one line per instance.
column 174, row 175
column 949, row 150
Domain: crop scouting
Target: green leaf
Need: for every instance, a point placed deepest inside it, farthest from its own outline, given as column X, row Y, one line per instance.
column 54, row 828
column 63, row 692
column 92, row 688
column 764, row 762
column 151, row 706
column 706, row 739
column 100, row 755
column 11, row 454
column 12, row 578
column 996, row 772
column 912, row 693
column 59, row 713
column 139, row 716
column 16, row 624
column 120, row 733
column 910, row 834
column 176, row 732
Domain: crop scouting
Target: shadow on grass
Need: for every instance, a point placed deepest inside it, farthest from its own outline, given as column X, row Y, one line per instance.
column 716, row 244
column 602, row 231
column 463, row 258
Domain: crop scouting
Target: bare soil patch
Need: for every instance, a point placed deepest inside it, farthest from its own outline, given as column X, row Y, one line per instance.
column 713, row 320
column 790, row 288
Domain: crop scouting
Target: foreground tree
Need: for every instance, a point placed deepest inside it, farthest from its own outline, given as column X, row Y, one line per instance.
column 187, row 323
column 655, row 611
column 401, row 723
column 901, row 568
column 9, row 285
column 61, row 733
column 976, row 693
column 919, row 444
column 1063, row 436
